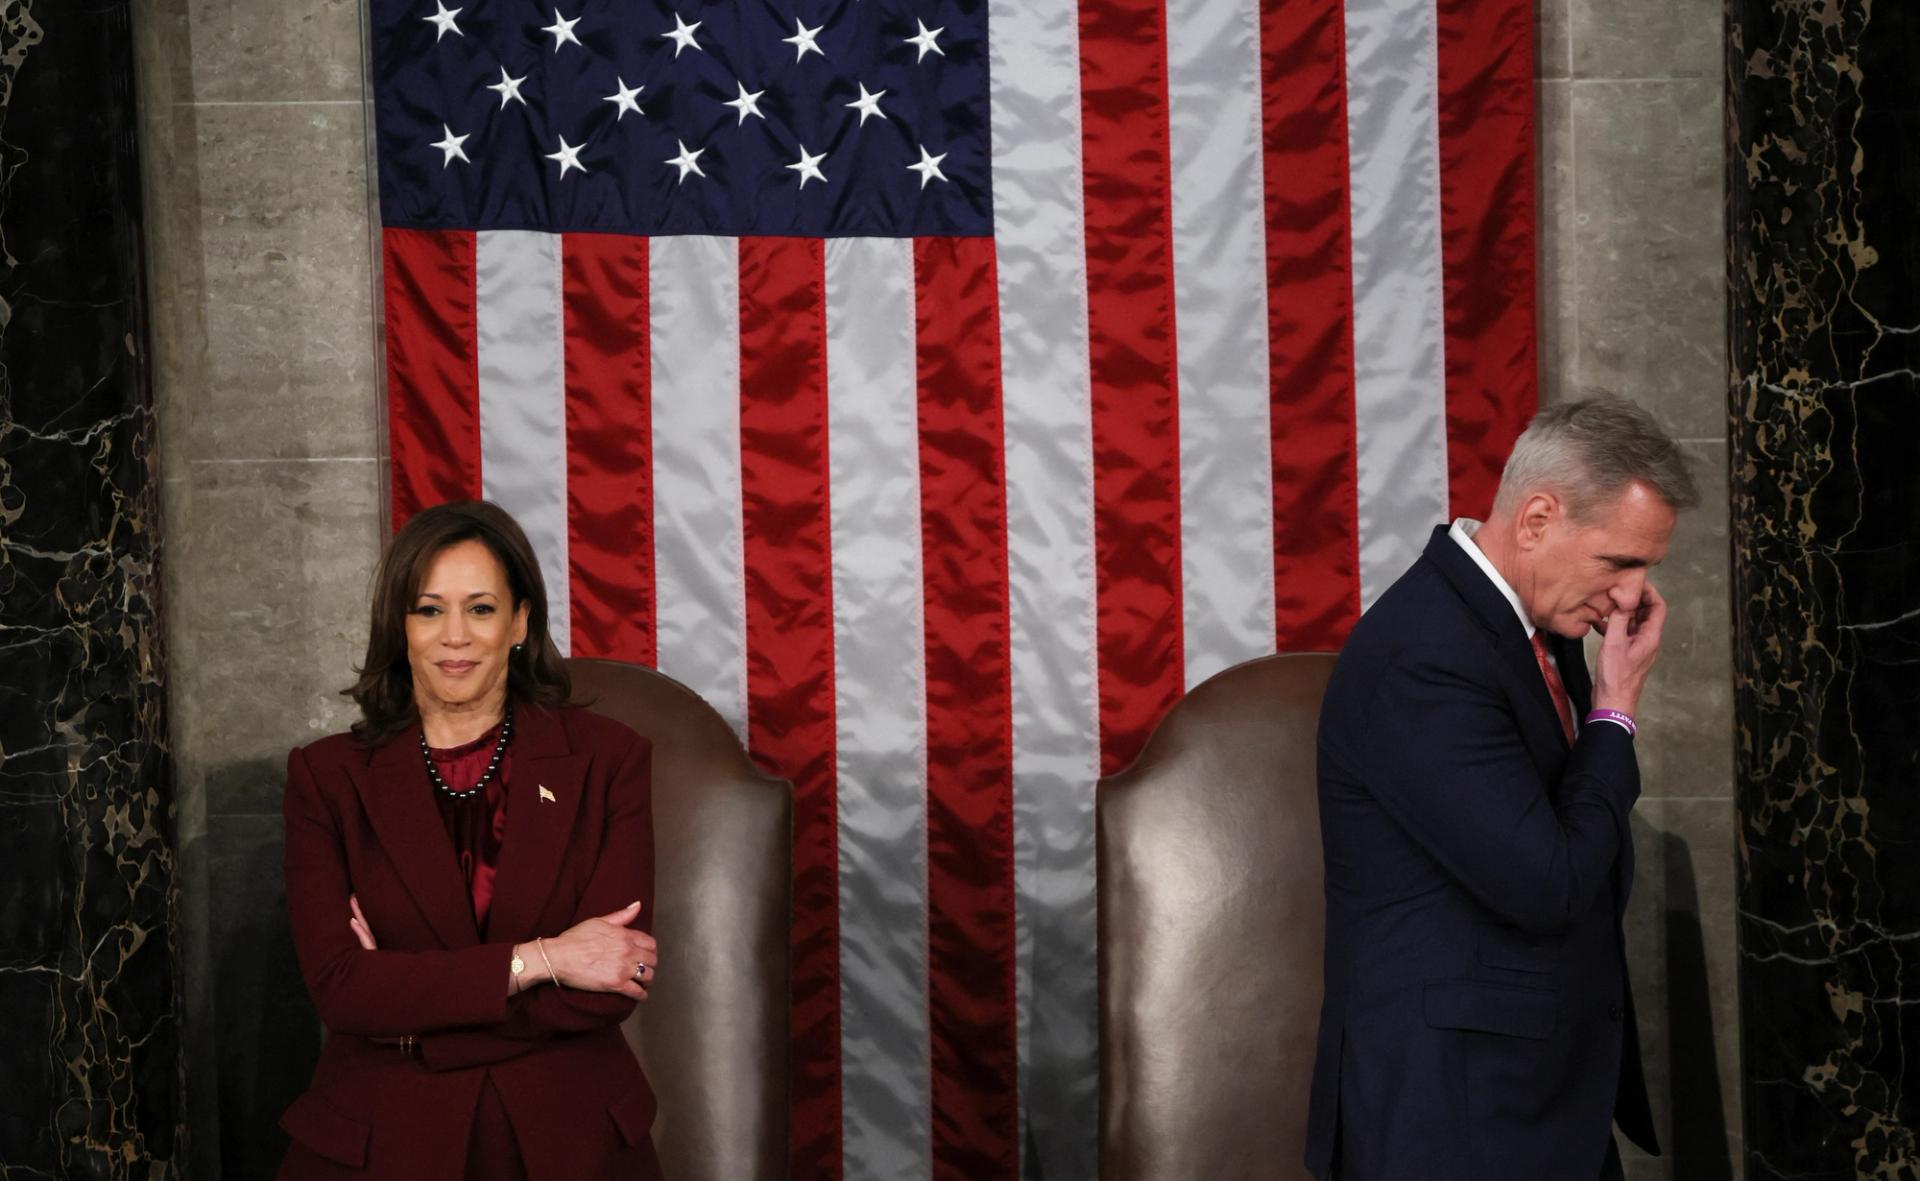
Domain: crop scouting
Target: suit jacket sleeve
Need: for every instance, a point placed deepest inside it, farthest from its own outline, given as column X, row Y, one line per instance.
column 361, row 992
column 1444, row 755
column 623, row 872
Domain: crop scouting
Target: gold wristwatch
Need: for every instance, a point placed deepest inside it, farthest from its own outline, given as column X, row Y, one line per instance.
column 517, row 966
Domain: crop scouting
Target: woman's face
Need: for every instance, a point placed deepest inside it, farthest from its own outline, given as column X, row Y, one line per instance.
column 460, row 630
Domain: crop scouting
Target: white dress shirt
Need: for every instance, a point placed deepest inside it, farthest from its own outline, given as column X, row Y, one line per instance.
column 1462, row 533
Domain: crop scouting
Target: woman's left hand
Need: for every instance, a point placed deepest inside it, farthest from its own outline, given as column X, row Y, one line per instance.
column 362, row 930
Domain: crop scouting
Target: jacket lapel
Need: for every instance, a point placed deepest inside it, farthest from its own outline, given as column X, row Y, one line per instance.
column 544, row 787
column 399, row 803
column 1539, row 725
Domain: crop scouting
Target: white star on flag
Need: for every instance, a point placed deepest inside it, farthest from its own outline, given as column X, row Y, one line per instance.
column 444, row 19
column 803, row 39
column 624, row 99
column 867, row 104
column 746, row 104
column 929, row 167
column 509, row 89
column 682, row 35
column 925, row 41
column 562, row 30
column 809, row 167
column 569, row 157
column 450, row 145
column 687, row 161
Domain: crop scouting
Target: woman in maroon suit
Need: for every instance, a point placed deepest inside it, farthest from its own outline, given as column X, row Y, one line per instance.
column 469, row 875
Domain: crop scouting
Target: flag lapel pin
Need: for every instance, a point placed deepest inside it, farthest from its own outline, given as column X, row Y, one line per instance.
column 545, row 795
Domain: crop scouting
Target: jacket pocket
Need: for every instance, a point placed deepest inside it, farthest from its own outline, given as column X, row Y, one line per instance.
column 325, row 1130
column 1491, row 1008
column 1515, row 950
column 633, row 1113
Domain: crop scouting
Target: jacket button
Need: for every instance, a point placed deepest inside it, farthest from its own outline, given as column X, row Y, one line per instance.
column 1616, row 1013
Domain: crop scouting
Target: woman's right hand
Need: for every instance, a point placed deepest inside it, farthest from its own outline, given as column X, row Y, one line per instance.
column 602, row 954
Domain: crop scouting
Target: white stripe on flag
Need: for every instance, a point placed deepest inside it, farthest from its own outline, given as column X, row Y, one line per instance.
column 699, row 575
column 520, row 335
column 1042, row 263
column 1220, row 300
column 879, row 707
column 1398, row 343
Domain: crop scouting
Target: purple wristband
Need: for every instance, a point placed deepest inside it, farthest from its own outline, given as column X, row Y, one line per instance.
column 1624, row 721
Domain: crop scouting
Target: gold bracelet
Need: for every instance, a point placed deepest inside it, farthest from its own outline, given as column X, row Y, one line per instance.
column 551, row 974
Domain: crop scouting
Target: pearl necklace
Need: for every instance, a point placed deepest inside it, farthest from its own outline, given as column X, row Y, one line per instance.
column 486, row 777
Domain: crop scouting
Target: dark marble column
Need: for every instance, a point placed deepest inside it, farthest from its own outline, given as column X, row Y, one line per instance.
column 90, row 1079
column 1824, row 188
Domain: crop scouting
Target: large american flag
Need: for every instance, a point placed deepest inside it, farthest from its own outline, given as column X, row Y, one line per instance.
column 941, row 388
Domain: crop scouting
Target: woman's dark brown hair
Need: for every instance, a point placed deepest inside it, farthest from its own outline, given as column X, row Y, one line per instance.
column 384, row 692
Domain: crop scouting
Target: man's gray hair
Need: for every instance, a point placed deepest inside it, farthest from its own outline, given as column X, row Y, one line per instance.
column 1588, row 452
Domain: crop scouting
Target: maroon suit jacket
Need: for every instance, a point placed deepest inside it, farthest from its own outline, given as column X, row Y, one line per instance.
column 364, row 822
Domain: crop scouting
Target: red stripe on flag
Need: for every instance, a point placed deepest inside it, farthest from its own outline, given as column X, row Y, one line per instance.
column 1486, row 238
column 609, row 381
column 1130, row 326
column 790, row 714
column 970, row 887
column 433, row 380
column 1303, row 100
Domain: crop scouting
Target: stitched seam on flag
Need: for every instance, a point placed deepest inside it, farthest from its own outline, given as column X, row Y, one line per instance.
column 470, row 246
column 1009, row 882
column 1439, row 311
column 926, row 736
column 562, row 618
column 1163, row 131
column 648, row 232
column 1353, row 385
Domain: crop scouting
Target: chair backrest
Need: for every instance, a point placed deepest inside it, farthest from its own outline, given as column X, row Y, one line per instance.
column 1211, row 921
column 713, row 1031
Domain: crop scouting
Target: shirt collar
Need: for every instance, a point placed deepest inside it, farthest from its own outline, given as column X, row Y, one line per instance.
column 1462, row 533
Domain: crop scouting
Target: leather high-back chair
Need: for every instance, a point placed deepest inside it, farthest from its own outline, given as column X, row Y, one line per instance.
column 1211, row 921
column 712, row 1033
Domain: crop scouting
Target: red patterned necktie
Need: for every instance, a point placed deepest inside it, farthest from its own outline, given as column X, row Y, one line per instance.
column 1556, row 688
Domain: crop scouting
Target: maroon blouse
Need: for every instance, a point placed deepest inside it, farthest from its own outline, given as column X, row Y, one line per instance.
column 476, row 824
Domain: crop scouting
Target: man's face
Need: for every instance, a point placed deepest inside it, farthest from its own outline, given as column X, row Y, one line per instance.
column 1582, row 573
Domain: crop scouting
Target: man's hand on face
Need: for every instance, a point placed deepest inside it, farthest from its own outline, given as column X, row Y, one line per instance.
column 1630, row 641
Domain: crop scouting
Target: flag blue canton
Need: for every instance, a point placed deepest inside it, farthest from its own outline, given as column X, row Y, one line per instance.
column 642, row 117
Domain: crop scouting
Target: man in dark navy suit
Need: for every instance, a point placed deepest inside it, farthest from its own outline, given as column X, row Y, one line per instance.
column 1474, row 792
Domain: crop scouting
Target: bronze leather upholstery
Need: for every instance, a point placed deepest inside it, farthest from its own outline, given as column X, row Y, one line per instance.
column 1211, row 918
column 712, row 1034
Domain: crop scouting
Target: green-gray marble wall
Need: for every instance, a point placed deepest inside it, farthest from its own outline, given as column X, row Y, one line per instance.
column 263, row 310
column 267, row 386
column 1633, row 302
